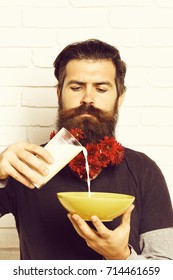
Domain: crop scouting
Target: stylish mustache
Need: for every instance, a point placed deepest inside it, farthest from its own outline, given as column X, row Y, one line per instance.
column 84, row 109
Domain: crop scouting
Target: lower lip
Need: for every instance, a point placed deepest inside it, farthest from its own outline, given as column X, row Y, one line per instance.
column 86, row 115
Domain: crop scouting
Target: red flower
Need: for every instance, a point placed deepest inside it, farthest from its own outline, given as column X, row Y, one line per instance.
column 107, row 152
column 52, row 134
column 93, row 151
column 112, row 150
column 78, row 165
column 77, row 133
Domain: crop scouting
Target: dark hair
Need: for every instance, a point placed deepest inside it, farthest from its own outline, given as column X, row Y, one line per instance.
column 95, row 50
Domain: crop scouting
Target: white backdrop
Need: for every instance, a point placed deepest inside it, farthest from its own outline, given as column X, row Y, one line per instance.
column 32, row 33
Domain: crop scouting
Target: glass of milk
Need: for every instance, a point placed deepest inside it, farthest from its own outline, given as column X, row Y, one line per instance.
column 63, row 147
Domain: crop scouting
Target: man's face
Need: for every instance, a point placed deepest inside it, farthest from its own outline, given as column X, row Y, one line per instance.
column 91, row 82
column 89, row 96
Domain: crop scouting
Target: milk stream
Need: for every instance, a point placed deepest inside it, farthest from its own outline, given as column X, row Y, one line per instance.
column 63, row 154
column 85, row 153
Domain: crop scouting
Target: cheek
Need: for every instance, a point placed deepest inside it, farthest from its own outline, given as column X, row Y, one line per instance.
column 70, row 102
column 107, row 104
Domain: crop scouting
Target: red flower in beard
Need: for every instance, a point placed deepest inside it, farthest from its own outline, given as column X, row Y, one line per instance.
column 107, row 152
column 52, row 134
column 111, row 150
column 78, row 165
column 77, row 133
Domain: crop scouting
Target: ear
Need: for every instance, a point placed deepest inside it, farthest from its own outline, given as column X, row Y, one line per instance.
column 120, row 100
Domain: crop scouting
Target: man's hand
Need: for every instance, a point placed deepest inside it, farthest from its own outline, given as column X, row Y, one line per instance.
column 20, row 162
column 111, row 244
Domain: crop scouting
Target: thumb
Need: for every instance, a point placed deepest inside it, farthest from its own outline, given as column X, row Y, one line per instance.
column 127, row 215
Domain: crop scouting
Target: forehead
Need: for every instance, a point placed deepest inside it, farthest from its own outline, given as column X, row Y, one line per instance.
column 90, row 70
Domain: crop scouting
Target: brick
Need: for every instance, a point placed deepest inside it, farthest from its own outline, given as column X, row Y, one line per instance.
column 27, row 116
column 14, row 57
column 60, row 17
column 141, row 3
column 9, row 254
column 10, row 96
column 164, row 3
column 157, row 116
column 11, row 134
column 39, row 135
column 109, row 3
column 33, row 134
column 171, row 193
column 44, row 57
column 33, row 3
column 145, row 136
column 161, row 77
column 10, row 16
column 167, row 171
column 9, row 238
column 162, row 155
column 147, row 57
column 148, row 96
column 27, row 77
column 40, row 97
column 116, row 37
column 7, row 221
column 141, row 17
column 136, row 77
column 133, row 116
column 15, row 37
column 134, row 97
column 157, row 38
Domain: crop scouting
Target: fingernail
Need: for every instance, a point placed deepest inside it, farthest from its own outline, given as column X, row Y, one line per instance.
column 32, row 186
column 75, row 218
column 94, row 218
column 69, row 216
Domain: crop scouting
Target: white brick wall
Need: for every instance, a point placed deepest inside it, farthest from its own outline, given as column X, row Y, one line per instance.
column 32, row 33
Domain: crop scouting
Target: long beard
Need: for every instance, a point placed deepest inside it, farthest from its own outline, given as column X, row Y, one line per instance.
column 94, row 127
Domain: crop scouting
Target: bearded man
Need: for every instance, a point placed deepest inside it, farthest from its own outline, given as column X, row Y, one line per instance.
column 90, row 91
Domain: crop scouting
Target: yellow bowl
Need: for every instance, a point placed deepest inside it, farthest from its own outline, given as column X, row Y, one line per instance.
column 106, row 206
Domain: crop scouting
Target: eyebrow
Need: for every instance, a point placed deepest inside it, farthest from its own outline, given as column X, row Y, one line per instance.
column 82, row 83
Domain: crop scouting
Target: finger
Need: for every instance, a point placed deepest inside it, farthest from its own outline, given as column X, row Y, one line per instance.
column 127, row 215
column 75, row 225
column 34, row 162
column 85, row 229
column 19, row 177
column 40, row 151
column 34, row 155
column 21, row 170
column 102, row 230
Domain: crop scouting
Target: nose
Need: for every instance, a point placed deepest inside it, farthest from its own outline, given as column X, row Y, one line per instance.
column 87, row 97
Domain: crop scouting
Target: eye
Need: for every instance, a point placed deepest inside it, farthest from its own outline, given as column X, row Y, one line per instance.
column 76, row 88
column 101, row 90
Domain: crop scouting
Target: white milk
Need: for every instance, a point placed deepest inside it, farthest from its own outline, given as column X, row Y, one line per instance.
column 62, row 154
column 85, row 153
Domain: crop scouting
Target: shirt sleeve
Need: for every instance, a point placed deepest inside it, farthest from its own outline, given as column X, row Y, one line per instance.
column 155, row 245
